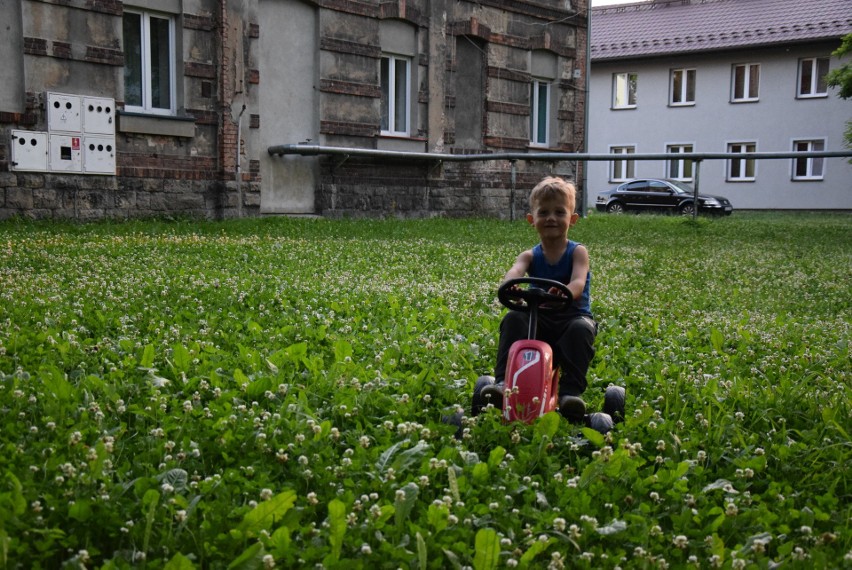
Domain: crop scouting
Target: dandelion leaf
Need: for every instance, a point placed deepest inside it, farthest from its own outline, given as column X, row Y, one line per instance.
column 487, row 549
column 595, row 437
column 181, row 358
column 405, row 502
column 534, row 550
column 265, row 514
column 250, row 559
column 337, row 527
column 547, row 425
column 496, row 456
column 179, row 562
column 147, row 358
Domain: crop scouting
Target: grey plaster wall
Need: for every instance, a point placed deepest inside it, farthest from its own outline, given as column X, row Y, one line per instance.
column 289, row 103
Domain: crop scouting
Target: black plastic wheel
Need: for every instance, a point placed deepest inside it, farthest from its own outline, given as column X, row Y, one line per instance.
column 614, row 403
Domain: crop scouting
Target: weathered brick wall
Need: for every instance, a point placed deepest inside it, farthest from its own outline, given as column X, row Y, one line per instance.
column 195, row 174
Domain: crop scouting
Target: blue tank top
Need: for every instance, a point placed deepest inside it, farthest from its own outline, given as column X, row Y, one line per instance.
column 561, row 272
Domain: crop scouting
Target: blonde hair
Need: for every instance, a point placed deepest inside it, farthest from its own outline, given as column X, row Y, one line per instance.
column 553, row 187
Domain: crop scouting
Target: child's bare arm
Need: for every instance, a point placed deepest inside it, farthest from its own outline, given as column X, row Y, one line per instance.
column 519, row 269
column 579, row 272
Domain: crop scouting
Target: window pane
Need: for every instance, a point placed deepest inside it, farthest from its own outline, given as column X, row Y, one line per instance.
column 739, row 82
column 620, row 90
column 385, row 81
column 541, row 114
column 632, row 86
column 677, row 86
column 807, row 77
column 161, row 74
column 753, row 81
column 401, row 96
column 690, row 85
column 822, row 71
column 132, row 25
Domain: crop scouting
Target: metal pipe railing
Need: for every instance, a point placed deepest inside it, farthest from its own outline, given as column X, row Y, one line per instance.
column 513, row 157
column 319, row 150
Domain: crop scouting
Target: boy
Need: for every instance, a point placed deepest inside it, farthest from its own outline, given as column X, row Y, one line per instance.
column 571, row 334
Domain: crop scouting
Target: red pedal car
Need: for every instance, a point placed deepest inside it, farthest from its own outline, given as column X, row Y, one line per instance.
column 531, row 386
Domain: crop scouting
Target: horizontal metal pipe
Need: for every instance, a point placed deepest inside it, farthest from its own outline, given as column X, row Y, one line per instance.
column 319, row 150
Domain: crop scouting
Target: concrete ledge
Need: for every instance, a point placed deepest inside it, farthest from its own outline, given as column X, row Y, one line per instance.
column 156, row 125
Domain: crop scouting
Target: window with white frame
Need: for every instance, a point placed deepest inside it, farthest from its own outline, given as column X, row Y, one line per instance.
column 812, row 77
column 395, row 102
column 679, row 169
column 149, row 56
column 622, row 170
column 745, row 82
column 682, row 87
column 624, row 90
column 808, row 168
column 539, row 112
column 741, row 169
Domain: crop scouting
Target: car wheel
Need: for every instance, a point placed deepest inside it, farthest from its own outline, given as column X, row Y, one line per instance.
column 615, row 208
column 687, row 209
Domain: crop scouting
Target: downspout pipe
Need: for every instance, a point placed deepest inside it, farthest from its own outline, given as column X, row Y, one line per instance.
column 239, row 161
column 586, row 101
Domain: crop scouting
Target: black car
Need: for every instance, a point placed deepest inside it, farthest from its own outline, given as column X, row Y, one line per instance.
column 660, row 195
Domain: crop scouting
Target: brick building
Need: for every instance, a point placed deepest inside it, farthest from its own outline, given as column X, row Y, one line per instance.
column 169, row 107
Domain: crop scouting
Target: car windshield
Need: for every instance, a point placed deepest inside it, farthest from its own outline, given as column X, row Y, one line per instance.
column 681, row 188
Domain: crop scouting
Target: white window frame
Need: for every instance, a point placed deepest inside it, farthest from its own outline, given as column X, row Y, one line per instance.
column 743, row 165
column 622, row 170
column 746, row 96
column 814, row 83
column 688, row 79
column 392, row 128
column 624, row 90
column 814, row 167
column 146, row 64
column 680, row 169
column 536, row 88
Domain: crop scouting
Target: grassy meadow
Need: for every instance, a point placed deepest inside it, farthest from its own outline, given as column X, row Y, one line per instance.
column 269, row 394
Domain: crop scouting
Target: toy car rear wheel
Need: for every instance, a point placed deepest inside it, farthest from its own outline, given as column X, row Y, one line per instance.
column 614, row 403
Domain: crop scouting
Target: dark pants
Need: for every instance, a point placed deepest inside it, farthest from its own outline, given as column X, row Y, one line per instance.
column 572, row 339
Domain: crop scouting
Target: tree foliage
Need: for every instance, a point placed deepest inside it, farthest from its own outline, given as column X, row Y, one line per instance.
column 842, row 79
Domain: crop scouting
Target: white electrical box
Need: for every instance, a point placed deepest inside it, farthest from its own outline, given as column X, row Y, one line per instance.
column 29, row 151
column 98, row 154
column 63, row 113
column 98, row 115
column 65, row 153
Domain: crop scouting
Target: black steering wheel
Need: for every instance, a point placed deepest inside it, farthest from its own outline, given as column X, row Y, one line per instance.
column 535, row 295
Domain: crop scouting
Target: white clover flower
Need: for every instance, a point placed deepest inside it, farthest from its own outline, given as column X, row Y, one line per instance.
column 268, row 561
column 366, row 550
column 680, row 541
column 731, row 509
column 364, row 441
column 180, row 516
column 559, row 524
column 265, row 494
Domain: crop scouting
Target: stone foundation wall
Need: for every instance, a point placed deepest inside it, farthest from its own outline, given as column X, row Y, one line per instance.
column 84, row 198
column 375, row 188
